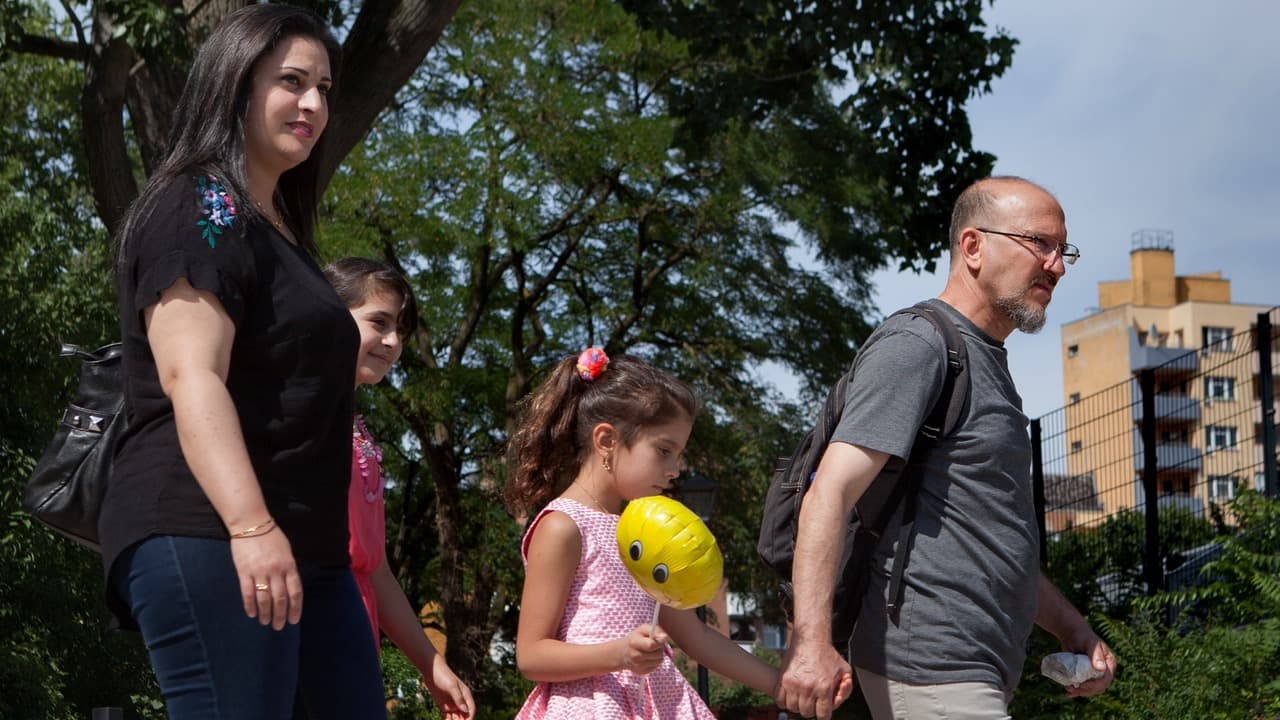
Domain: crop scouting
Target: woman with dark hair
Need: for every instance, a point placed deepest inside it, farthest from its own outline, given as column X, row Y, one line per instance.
column 227, row 507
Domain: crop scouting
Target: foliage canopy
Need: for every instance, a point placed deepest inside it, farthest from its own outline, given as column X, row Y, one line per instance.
column 706, row 185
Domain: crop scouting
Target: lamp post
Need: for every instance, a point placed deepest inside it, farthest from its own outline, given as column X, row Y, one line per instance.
column 698, row 493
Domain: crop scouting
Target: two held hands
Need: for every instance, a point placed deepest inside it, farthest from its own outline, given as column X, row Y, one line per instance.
column 815, row 680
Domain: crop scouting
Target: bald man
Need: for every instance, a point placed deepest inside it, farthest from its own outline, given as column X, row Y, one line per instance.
column 973, row 587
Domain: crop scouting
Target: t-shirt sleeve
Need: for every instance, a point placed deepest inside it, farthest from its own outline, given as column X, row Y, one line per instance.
column 193, row 232
column 896, row 380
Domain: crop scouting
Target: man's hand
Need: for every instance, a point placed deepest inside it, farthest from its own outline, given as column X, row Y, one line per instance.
column 815, row 680
column 1056, row 614
column 1088, row 642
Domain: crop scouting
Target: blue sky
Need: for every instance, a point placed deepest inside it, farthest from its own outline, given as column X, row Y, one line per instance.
column 1136, row 114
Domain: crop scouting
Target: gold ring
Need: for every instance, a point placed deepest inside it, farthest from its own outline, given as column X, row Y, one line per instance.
column 261, row 586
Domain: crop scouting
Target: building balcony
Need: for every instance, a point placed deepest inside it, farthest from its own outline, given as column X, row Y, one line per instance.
column 1176, row 501
column 1165, row 360
column 1175, row 408
column 1170, row 457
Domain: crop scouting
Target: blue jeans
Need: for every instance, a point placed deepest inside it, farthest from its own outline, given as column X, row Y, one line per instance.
column 214, row 662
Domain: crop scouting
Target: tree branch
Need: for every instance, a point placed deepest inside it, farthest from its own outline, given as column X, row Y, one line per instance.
column 602, row 193
column 75, row 23
column 51, row 47
column 387, row 43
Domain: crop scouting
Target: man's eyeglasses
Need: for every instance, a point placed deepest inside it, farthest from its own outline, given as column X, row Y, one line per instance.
column 1043, row 247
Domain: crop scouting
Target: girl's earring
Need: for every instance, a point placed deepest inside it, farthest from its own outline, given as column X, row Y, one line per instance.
column 608, row 466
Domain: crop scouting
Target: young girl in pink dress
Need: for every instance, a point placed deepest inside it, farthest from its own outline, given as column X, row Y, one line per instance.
column 383, row 307
column 597, row 434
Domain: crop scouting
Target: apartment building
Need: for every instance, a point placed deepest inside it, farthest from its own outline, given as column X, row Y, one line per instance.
column 1207, row 411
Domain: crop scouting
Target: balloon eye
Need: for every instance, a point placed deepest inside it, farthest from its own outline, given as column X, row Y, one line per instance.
column 636, row 550
column 660, row 572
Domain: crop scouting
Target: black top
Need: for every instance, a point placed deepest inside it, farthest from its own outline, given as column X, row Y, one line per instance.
column 291, row 378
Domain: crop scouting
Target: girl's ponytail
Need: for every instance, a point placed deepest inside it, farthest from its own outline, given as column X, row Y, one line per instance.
column 542, row 453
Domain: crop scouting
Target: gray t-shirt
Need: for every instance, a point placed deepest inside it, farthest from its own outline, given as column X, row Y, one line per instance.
column 970, row 586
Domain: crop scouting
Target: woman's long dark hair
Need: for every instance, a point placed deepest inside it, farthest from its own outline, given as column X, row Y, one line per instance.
column 208, row 133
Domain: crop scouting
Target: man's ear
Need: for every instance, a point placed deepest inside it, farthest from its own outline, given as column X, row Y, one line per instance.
column 972, row 247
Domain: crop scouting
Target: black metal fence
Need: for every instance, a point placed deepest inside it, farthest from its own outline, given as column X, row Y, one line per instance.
column 1190, row 430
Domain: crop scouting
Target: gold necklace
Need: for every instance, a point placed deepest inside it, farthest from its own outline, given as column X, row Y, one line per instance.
column 276, row 221
column 591, row 495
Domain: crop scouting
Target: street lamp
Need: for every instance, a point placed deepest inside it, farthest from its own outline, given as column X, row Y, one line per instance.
column 698, row 493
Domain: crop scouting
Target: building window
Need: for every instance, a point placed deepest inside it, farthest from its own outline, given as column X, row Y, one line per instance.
column 1075, row 398
column 1073, row 350
column 775, row 637
column 1219, row 388
column 742, row 629
column 1222, row 487
column 1076, row 446
column 1260, row 482
column 1219, row 437
column 1217, row 338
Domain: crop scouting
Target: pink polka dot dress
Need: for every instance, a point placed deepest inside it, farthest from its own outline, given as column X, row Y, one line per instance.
column 605, row 604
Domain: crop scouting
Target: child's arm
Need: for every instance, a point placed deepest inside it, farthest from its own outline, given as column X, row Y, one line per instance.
column 554, row 552
column 718, row 652
column 401, row 624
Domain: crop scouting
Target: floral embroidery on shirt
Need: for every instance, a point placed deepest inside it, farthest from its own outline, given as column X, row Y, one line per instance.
column 218, row 209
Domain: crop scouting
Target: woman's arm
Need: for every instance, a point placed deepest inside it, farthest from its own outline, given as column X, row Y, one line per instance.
column 554, row 552
column 706, row 645
column 401, row 624
column 190, row 336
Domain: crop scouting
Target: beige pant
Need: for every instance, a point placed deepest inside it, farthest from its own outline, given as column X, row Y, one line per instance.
column 893, row 700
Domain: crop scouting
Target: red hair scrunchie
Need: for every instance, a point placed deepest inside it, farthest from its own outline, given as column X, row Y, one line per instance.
column 592, row 362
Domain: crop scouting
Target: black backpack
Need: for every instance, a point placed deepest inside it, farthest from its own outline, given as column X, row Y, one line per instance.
column 871, row 514
column 66, row 488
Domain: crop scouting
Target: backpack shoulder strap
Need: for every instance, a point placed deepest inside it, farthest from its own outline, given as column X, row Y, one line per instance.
column 942, row 420
column 949, row 405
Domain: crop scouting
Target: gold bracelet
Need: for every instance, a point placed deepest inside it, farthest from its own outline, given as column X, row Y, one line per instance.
column 253, row 531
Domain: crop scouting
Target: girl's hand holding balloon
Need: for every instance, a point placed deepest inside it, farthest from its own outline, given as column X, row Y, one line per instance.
column 670, row 553
column 643, row 649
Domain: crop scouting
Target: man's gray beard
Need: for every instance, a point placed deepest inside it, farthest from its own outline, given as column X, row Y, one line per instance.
column 1026, row 317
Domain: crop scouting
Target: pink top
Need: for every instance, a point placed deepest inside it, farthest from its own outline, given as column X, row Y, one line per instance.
column 605, row 604
column 365, row 513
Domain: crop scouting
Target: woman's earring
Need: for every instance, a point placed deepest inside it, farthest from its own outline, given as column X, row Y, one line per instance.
column 608, row 466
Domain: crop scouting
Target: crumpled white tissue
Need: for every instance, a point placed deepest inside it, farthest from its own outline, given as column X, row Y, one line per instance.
column 1069, row 668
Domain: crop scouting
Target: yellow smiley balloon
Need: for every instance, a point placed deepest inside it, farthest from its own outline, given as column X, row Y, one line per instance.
column 670, row 552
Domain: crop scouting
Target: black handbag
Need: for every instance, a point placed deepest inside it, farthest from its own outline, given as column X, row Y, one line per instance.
column 66, row 489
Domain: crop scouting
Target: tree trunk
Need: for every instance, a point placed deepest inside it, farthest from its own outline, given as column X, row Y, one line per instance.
column 386, row 45
column 102, row 110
